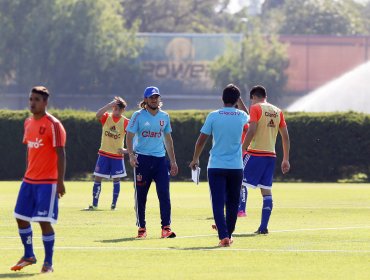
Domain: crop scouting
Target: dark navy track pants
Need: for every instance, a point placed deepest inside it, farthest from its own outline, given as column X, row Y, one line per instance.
column 224, row 185
column 150, row 169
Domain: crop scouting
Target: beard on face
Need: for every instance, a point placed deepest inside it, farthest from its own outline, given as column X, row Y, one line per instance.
column 153, row 107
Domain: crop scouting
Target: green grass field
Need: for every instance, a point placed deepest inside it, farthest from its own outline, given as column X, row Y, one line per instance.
column 317, row 231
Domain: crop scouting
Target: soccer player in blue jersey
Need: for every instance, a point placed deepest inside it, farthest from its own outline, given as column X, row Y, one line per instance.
column 148, row 137
column 225, row 166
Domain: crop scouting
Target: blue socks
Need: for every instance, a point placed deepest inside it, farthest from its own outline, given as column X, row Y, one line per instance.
column 96, row 193
column 97, row 190
column 116, row 190
column 266, row 211
column 48, row 241
column 26, row 237
column 243, row 198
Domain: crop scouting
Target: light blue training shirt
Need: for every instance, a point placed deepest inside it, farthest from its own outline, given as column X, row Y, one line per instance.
column 226, row 127
column 149, row 132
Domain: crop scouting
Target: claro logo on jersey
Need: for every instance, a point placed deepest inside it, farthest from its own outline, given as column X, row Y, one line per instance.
column 35, row 144
column 229, row 113
column 112, row 133
column 271, row 115
column 151, row 134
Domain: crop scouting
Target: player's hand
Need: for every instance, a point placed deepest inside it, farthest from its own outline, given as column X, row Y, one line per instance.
column 285, row 166
column 113, row 103
column 122, row 151
column 61, row 190
column 194, row 164
column 133, row 160
column 174, row 169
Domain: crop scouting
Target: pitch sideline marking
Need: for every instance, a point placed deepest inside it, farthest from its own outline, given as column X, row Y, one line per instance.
column 241, row 233
column 215, row 249
column 281, row 231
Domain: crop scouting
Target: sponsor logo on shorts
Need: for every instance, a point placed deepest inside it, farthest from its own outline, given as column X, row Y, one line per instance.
column 119, row 172
column 42, row 213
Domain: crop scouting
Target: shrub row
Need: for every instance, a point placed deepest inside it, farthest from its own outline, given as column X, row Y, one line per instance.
column 324, row 147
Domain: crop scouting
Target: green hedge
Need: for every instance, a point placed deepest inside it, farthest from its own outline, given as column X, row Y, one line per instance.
column 324, row 147
column 329, row 146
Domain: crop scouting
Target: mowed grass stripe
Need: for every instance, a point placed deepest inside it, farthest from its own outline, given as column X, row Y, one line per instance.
column 317, row 231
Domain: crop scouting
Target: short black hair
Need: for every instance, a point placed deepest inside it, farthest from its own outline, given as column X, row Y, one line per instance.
column 258, row 91
column 230, row 94
column 42, row 91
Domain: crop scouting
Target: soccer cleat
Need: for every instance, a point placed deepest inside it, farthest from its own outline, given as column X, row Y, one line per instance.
column 263, row 231
column 46, row 268
column 23, row 262
column 214, row 227
column 141, row 233
column 224, row 242
column 242, row 213
column 167, row 232
column 91, row 208
column 113, row 207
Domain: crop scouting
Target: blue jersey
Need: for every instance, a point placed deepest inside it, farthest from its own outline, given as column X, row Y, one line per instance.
column 226, row 127
column 149, row 132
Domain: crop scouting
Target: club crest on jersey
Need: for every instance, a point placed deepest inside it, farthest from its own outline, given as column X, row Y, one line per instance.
column 139, row 177
column 42, row 130
column 161, row 123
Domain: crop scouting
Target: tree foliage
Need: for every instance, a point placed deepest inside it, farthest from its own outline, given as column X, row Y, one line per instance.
column 192, row 16
column 259, row 60
column 67, row 45
column 311, row 17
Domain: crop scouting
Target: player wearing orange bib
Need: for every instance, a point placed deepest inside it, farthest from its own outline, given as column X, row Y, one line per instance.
column 43, row 182
column 110, row 163
column 266, row 120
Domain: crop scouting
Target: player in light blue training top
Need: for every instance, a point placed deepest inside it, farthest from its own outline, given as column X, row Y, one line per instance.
column 225, row 165
column 148, row 138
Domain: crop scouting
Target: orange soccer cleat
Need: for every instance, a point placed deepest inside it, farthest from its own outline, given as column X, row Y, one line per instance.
column 23, row 262
column 224, row 242
column 141, row 233
column 167, row 232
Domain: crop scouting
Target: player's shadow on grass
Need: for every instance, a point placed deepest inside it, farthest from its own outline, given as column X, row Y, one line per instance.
column 195, row 248
column 117, row 240
column 17, row 275
column 245, row 234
